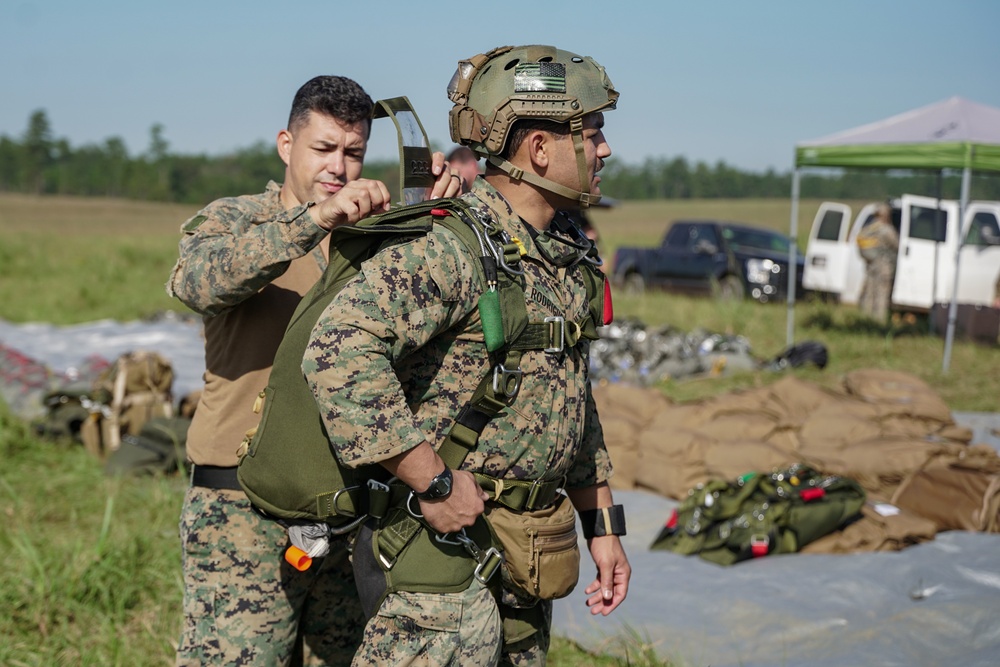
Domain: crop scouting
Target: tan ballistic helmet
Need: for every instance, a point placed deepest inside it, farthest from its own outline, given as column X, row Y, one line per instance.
column 491, row 91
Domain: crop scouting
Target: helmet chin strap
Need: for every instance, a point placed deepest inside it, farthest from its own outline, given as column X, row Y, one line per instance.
column 581, row 196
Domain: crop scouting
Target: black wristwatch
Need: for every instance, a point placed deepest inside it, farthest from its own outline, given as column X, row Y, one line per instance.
column 440, row 487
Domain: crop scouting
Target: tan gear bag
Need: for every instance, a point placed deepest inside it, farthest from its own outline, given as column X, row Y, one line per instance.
column 541, row 552
column 130, row 392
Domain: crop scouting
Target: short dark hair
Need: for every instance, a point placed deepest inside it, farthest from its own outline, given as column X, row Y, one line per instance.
column 522, row 128
column 335, row 96
column 461, row 154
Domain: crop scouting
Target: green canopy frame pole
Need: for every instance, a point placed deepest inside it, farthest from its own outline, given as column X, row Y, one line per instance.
column 793, row 232
column 953, row 306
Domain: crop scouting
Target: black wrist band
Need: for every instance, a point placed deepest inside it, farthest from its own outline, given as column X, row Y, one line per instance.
column 603, row 521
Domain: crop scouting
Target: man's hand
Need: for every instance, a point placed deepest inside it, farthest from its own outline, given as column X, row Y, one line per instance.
column 417, row 467
column 610, row 587
column 460, row 509
column 447, row 181
column 355, row 201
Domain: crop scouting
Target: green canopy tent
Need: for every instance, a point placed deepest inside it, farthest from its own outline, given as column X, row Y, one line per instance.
column 953, row 134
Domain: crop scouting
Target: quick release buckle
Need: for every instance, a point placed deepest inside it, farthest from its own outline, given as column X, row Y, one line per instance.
column 506, row 382
column 557, row 332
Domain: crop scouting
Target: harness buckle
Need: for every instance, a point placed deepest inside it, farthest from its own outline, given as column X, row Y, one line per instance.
column 557, row 332
column 490, row 562
column 506, row 382
column 535, row 493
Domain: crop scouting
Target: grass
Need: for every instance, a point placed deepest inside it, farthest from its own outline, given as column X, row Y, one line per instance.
column 92, row 564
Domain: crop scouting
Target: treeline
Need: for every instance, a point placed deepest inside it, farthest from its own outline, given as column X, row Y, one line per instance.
column 39, row 163
column 663, row 178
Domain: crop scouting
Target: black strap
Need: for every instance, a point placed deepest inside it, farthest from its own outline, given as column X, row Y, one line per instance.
column 215, row 477
column 603, row 521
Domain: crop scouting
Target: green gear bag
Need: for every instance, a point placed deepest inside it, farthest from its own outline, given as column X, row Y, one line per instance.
column 287, row 466
column 760, row 514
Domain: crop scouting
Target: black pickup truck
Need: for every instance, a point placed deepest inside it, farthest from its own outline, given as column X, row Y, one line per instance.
column 726, row 259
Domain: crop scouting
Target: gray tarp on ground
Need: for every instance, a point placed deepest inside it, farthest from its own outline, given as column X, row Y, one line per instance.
column 822, row 610
column 784, row 610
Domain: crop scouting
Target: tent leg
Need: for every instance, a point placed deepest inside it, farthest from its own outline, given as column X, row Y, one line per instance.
column 953, row 306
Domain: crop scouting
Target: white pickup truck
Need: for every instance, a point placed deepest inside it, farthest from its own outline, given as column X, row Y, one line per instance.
column 925, row 269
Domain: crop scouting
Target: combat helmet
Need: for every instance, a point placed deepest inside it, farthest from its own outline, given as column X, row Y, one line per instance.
column 492, row 91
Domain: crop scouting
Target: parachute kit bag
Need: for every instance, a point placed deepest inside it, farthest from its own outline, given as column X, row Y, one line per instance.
column 292, row 475
column 760, row 514
column 130, row 392
column 287, row 466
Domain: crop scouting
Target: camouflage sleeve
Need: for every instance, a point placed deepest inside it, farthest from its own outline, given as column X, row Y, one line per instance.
column 592, row 464
column 891, row 238
column 228, row 253
column 402, row 298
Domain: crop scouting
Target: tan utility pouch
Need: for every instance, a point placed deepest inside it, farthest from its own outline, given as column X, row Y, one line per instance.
column 541, row 555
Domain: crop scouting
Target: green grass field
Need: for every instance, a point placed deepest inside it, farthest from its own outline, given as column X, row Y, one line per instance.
column 92, row 564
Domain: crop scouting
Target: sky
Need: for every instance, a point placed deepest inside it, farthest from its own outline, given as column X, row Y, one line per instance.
column 732, row 80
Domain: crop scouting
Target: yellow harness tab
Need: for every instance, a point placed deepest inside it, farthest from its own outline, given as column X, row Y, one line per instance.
column 520, row 245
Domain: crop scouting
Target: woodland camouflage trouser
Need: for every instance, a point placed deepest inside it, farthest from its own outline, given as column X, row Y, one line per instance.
column 434, row 630
column 244, row 605
column 448, row 630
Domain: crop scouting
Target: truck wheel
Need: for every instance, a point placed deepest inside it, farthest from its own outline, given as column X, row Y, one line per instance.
column 634, row 284
column 729, row 288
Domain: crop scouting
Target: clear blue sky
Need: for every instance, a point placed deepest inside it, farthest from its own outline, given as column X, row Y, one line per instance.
column 729, row 80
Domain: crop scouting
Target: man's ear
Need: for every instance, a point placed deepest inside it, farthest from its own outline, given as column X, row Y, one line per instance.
column 538, row 145
column 284, row 144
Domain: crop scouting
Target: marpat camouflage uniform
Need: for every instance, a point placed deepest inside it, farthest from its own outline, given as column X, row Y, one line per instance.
column 395, row 356
column 879, row 243
column 245, row 263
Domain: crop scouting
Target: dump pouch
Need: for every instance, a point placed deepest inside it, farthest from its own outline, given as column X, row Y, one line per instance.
column 541, row 553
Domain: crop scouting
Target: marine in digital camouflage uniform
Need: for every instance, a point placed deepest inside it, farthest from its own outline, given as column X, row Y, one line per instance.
column 400, row 350
column 245, row 263
column 879, row 245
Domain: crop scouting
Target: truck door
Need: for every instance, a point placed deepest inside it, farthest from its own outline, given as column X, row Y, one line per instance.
column 927, row 243
column 979, row 258
column 827, row 251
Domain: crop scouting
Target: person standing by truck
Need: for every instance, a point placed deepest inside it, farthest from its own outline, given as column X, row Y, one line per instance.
column 879, row 245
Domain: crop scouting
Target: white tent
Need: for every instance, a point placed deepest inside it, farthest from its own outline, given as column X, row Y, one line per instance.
column 953, row 134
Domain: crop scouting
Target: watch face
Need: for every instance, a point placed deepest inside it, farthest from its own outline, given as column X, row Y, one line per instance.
column 440, row 487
